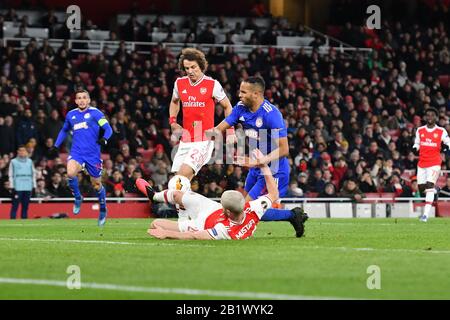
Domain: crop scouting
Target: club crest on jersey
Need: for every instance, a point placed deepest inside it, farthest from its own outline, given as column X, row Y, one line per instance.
column 435, row 135
column 87, row 116
column 259, row 122
column 202, row 90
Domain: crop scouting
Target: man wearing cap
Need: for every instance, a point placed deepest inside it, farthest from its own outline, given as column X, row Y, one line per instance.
column 427, row 144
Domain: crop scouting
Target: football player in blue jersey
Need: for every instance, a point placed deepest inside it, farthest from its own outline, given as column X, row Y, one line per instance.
column 85, row 122
column 265, row 128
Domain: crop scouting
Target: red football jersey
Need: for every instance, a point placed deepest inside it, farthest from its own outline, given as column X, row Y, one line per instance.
column 198, row 102
column 428, row 141
column 220, row 226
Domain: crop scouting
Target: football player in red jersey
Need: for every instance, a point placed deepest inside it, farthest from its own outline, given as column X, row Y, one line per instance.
column 198, row 95
column 233, row 218
column 427, row 144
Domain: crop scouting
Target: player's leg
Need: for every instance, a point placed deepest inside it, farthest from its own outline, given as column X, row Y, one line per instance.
column 73, row 167
column 15, row 205
column 181, row 169
column 94, row 169
column 432, row 175
column 26, row 195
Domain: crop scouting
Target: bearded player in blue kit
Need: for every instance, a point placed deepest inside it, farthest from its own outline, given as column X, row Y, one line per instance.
column 85, row 123
column 265, row 128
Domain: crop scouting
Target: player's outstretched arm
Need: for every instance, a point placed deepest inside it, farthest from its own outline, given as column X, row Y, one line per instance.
column 62, row 134
column 271, row 185
column 103, row 123
column 168, row 234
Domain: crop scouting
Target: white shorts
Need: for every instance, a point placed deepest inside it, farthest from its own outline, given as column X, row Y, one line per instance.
column 194, row 154
column 198, row 208
column 430, row 174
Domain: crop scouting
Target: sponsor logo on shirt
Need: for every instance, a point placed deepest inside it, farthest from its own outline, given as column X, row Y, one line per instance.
column 245, row 229
column 242, row 118
column 251, row 133
column 81, row 125
column 428, row 143
column 184, row 91
column 192, row 102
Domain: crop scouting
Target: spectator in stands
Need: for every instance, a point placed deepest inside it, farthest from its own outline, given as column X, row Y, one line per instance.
column 329, row 191
column 445, row 191
column 5, row 190
column 8, row 136
column 22, row 34
column 294, row 190
column 41, row 191
column 57, row 188
column 366, row 183
column 351, row 190
column 160, row 176
column 207, row 36
column 26, row 128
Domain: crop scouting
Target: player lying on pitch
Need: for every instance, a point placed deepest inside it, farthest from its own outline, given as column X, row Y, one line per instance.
column 232, row 218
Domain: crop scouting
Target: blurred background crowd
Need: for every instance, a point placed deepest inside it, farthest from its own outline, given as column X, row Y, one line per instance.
column 351, row 119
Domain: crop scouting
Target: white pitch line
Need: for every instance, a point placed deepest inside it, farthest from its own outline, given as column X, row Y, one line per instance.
column 181, row 291
column 180, row 244
column 153, row 244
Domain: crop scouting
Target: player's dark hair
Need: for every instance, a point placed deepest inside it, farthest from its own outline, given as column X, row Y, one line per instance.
column 436, row 112
column 257, row 81
column 82, row 91
column 193, row 54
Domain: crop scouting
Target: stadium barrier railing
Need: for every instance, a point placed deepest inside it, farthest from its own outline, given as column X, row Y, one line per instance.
column 98, row 46
column 373, row 207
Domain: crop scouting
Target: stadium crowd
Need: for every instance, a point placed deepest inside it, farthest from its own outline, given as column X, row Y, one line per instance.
column 351, row 119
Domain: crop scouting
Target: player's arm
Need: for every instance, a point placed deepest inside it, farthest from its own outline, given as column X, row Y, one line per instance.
column 174, row 109
column 416, row 145
column 281, row 151
column 190, row 235
column 230, row 120
column 272, row 188
column 63, row 133
column 220, row 96
column 104, row 124
column 446, row 142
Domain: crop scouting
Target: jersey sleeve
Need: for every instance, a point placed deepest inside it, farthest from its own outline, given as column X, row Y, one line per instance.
column 219, row 232
column 445, row 137
column 275, row 122
column 261, row 205
column 233, row 117
column 417, row 140
column 218, row 92
column 175, row 94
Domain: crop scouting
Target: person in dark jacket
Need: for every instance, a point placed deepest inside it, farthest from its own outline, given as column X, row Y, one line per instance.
column 26, row 129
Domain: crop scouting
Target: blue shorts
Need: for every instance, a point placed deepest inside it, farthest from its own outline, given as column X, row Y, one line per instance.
column 93, row 166
column 255, row 184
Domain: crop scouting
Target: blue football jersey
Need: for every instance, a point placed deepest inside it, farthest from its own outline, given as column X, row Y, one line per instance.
column 85, row 126
column 262, row 127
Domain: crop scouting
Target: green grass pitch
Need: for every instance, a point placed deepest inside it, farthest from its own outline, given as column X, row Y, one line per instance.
column 121, row 262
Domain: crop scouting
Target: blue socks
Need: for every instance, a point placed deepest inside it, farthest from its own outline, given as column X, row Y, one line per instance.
column 277, row 215
column 73, row 184
column 101, row 194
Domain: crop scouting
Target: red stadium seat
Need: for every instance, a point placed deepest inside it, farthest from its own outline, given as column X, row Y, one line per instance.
column 444, row 80
column 371, row 195
column 85, row 77
column 147, row 154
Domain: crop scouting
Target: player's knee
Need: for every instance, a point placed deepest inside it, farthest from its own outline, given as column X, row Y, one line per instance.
column 97, row 185
column 180, row 183
column 429, row 185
